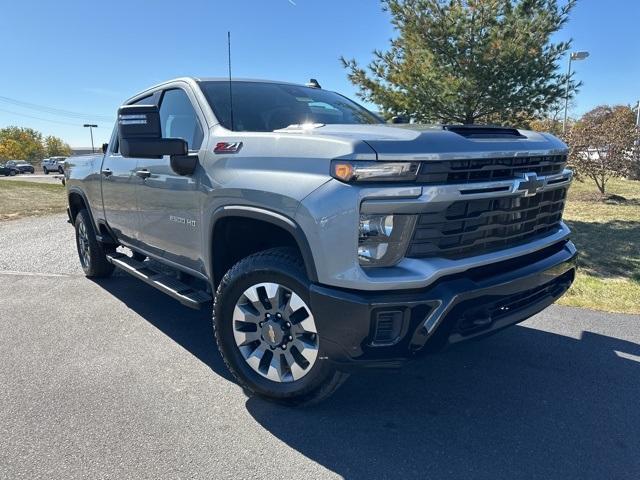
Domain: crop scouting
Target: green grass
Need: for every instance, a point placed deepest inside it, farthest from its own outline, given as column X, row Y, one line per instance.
column 607, row 235
column 25, row 199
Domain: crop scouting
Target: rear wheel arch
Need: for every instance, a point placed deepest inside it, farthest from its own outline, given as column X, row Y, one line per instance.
column 77, row 202
column 266, row 229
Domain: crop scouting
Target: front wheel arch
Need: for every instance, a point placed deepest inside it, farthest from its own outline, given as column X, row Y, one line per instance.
column 286, row 233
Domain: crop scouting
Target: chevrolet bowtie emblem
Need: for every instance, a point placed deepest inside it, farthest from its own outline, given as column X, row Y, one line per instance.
column 272, row 334
column 530, row 184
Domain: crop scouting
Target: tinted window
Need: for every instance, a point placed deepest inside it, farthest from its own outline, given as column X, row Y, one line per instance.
column 264, row 107
column 178, row 118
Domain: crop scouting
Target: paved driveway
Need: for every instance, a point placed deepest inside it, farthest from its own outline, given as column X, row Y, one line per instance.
column 112, row 379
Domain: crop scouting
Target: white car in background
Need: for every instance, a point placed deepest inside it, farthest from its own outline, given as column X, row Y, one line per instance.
column 53, row 164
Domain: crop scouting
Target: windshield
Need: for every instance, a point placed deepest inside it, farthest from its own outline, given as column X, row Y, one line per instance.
column 265, row 107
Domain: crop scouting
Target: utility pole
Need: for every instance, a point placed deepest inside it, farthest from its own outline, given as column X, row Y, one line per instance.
column 91, row 127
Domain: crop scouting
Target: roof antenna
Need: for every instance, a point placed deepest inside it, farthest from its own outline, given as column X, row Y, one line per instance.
column 230, row 89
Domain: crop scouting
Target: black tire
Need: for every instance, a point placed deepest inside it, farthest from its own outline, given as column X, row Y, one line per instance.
column 60, row 170
column 282, row 266
column 12, row 173
column 46, row 172
column 91, row 252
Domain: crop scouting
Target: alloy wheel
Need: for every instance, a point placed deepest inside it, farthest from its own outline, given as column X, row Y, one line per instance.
column 83, row 244
column 275, row 332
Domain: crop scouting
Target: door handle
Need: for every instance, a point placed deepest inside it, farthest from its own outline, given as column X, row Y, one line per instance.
column 106, row 172
column 143, row 173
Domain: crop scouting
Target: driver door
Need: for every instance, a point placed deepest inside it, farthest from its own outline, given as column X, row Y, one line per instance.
column 168, row 203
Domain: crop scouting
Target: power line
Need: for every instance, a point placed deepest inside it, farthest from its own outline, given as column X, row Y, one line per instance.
column 55, row 111
column 40, row 118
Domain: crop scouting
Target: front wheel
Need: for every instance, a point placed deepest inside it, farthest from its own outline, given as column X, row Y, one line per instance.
column 266, row 331
column 12, row 173
column 91, row 252
column 46, row 172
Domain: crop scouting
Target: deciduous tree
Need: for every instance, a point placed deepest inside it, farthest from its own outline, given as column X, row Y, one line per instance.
column 602, row 144
column 29, row 141
column 56, row 147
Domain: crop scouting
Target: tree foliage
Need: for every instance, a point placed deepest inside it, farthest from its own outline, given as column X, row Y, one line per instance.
column 466, row 61
column 56, row 147
column 18, row 143
column 602, row 144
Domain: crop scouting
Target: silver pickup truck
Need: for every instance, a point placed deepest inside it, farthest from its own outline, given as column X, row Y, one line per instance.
column 326, row 239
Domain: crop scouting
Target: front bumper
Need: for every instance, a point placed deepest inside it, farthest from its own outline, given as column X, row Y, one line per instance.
column 458, row 307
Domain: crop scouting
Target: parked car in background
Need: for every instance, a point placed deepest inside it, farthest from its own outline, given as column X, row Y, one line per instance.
column 21, row 165
column 7, row 170
column 53, row 164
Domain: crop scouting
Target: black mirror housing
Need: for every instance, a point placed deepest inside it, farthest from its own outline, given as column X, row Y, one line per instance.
column 399, row 119
column 140, row 134
column 184, row 164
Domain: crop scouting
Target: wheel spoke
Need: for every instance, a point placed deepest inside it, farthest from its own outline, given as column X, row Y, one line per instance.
column 245, row 338
column 256, row 356
column 251, row 294
column 244, row 313
column 307, row 349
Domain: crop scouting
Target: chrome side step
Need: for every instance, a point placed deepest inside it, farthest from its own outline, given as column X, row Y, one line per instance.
column 168, row 284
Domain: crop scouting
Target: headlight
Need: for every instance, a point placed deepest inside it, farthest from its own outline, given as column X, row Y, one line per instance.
column 374, row 171
column 382, row 239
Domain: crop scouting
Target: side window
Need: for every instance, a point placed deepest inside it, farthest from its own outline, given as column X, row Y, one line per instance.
column 178, row 119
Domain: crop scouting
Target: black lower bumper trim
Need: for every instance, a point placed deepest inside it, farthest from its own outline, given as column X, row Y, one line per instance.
column 475, row 303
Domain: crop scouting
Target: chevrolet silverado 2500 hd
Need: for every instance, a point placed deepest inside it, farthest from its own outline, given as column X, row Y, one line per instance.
column 326, row 239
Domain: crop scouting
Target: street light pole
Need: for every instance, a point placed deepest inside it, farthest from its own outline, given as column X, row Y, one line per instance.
column 572, row 56
column 91, row 127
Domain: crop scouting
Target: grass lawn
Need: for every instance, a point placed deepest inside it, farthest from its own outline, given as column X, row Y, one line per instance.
column 607, row 235
column 24, row 199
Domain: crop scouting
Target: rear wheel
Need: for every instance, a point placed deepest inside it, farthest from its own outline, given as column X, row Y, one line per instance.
column 91, row 252
column 12, row 173
column 266, row 332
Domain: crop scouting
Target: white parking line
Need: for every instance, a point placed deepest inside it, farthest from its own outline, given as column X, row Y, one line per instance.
column 32, row 274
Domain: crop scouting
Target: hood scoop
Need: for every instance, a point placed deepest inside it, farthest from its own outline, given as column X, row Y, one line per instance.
column 483, row 131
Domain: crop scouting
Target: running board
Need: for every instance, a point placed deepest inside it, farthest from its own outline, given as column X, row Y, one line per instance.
column 168, row 284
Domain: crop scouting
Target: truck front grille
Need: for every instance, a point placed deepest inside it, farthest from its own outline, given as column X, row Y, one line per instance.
column 488, row 169
column 474, row 227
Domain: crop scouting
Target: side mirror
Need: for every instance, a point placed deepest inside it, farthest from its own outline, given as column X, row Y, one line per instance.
column 140, row 134
column 399, row 119
column 105, row 147
column 184, row 164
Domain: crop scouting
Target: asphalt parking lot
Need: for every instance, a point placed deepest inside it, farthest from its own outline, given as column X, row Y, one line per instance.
column 111, row 379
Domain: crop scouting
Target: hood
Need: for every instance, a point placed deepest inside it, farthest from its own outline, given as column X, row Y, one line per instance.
column 426, row 142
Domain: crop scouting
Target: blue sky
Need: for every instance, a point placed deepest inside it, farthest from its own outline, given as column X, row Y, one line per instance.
column 78, row 56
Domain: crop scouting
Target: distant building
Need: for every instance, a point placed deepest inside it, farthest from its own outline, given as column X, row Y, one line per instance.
column 81, row 150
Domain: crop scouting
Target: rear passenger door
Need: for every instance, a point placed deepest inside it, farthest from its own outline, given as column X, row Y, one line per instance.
column 168, row 203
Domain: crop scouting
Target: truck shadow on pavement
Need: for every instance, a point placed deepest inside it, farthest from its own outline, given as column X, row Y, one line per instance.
column 522, row 404
column 191, row 329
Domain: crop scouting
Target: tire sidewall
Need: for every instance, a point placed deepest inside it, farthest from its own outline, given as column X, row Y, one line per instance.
column 228, row 295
